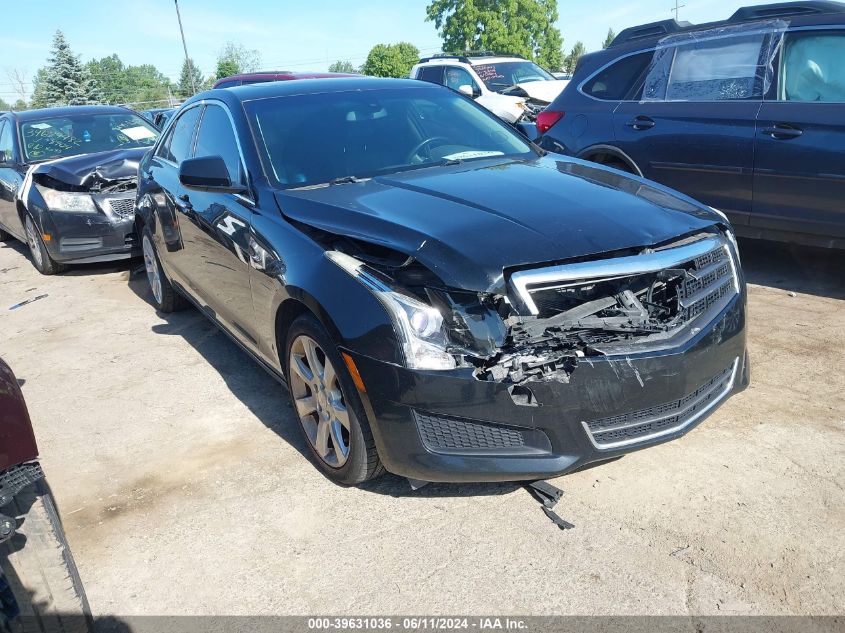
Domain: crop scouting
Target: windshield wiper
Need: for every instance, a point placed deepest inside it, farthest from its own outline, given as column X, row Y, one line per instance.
column 344, row 180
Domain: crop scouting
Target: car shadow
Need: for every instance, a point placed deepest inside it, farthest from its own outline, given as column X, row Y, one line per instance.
column 268, row 400
column 800, row 269
column 74, row 270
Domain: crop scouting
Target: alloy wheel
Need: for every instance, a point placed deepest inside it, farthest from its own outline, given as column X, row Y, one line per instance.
column 153, row 273
column 32, row 241
column 320, row 404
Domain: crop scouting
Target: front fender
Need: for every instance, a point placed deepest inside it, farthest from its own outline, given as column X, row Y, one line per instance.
column 296, row 269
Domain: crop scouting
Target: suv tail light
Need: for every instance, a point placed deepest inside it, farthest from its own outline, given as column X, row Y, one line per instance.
column 546, row 119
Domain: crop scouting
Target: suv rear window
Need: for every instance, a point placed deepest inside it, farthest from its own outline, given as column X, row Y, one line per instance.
column 615, row 82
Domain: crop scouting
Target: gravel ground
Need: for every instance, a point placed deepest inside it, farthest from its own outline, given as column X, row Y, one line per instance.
column 180, row 473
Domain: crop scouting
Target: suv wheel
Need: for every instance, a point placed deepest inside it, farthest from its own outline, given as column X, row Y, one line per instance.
column 40, row 257
column 165, row 297
column 327, row 405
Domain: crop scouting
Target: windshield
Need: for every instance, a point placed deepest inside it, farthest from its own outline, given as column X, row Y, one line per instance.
column 503, row 75
column 72, row 135
column 320, row 138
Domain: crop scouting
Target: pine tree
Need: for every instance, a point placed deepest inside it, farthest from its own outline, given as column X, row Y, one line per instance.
column 186, row 87
column 64, row 81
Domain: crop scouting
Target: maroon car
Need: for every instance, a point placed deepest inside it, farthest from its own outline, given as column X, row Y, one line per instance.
column 279, row 75
column 39, row 582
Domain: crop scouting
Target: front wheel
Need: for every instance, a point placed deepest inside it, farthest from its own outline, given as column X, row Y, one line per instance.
column 328, row 407
column 40, row 257
column 165, row 297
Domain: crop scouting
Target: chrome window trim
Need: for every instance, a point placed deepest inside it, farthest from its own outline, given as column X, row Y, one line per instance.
column 680, row 427
column 647, row 262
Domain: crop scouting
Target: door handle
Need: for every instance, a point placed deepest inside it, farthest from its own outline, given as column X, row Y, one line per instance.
column 641, row 123
column 782, row 131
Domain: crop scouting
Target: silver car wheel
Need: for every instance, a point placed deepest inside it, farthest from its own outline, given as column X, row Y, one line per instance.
column 153, row 273
column 319, row 401
column 32, row 241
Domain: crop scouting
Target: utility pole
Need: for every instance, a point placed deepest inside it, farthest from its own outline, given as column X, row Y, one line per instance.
column 185, row 46
column 676, row 9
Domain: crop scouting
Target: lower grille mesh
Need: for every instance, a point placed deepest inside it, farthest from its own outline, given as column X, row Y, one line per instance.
column 122, row 207
column 448, row 433
column 640, row 425
column 17, row 478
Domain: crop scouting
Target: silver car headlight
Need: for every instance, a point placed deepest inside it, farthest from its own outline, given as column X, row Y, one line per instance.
column 67, row 201
column 418, row 325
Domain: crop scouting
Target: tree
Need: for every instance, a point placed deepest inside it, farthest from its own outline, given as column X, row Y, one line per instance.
column 20, row 105
column 342, row 66
column 234, row 59
column 190, row 79
column 609, row 39
column 518, row 27
column 571, row 61
column 4, row 106
column 132, row 85
column 64, row 81
column 391, row 60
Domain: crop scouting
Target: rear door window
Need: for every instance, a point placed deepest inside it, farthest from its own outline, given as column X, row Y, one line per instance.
column 710, row 69
column 6, row 143
column 813, row 69
column 431, row 74
column 615, row 82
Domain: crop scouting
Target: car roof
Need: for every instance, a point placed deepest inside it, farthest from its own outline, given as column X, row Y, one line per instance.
column 46, row 113
column 271, row 89
column 282, row 75
column 652, row 32
column 473, row 60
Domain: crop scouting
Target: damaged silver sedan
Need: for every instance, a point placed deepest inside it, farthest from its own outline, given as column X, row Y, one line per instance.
column 67, row 182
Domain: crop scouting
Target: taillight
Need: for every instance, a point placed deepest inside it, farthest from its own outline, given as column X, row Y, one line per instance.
column 546, row 119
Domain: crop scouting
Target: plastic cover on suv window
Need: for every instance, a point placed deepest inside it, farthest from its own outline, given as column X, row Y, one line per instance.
column 725, row 63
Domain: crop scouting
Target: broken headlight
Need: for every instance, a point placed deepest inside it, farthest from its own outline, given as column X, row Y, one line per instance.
column 67, row 201
column 418, row 325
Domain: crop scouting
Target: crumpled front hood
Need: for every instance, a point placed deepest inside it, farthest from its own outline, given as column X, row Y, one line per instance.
column 467, row 223
column 544, row 90
column 86, row 170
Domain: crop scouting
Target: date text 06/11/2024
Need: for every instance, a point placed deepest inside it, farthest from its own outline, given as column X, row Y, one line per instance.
column 482, row 623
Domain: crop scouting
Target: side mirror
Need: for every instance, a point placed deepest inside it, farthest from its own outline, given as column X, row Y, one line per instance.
column 207, row 173
column 467, row 90
column 4, row 157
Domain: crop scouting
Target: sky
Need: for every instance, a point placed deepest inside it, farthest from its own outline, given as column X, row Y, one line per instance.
column 288, row 35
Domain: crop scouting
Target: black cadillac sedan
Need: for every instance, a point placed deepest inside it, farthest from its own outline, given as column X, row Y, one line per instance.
column 442, row 299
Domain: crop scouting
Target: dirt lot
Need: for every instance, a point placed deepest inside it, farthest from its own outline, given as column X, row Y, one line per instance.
column 179, row 470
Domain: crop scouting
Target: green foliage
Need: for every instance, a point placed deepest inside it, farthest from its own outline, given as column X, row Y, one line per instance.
column 342, row 66
column 391, row 60
column 571, row 61
column 190, row 79
column 609, row 39
column 141, row 86
column 518, row 27
column 4, row 106
column 64, row 81
column 20, row 105
column 235, row 59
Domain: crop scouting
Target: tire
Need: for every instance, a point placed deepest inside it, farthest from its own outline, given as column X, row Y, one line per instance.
column 40, row 570
column 338, row 399
column 165, row 297
column 615, row 163
column 38, row 252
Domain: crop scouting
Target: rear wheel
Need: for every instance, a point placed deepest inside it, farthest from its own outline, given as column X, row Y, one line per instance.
column 40, row 257
column 165, row 297
column 327, row 405
column 40, row 573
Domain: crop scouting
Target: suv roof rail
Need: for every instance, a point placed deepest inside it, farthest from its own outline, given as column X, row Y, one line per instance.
column 464, row 56
column 761, row 12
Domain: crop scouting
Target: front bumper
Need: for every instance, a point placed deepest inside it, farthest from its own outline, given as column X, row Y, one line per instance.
column 452, row 427
column 81, row 238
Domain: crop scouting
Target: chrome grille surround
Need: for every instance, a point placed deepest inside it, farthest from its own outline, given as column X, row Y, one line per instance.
column 714, row 278
column 660, row 420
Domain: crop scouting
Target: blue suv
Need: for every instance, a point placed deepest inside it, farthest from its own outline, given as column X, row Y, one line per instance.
column 746, row 115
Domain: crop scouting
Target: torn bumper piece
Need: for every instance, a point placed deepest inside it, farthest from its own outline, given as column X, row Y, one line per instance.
column 453, row 427
column 92, row 237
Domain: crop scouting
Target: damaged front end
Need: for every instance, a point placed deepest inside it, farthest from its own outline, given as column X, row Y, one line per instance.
column 545, row 321
column 88, row 203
